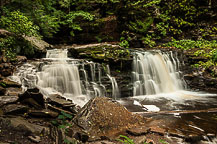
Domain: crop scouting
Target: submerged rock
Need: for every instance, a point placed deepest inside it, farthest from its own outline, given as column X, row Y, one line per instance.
column 103, row 117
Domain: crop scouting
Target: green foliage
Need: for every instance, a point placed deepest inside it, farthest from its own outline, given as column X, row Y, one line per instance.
column 49, row 24
column 186, row 44
column 214, row 56
column 141, row 26
column 126, row 140
column 16, row 22
column 2, row 84
column 205, row 49
column 147, row 40
column 124, row 43
column 71, row 19
column 63, row 122
column 7, row 47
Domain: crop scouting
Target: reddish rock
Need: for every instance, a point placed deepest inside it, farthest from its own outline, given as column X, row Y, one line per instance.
column 137, row 131
column 104, row 117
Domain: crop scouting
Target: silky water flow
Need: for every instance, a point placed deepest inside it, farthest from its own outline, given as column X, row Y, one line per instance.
column 74, row 79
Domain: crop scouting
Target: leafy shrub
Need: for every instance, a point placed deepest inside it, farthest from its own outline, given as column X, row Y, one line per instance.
column 186, row 44
column 16, row 22
column 214, row 56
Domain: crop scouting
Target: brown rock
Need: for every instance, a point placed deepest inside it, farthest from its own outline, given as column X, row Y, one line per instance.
column 137, row 131
column 6, row 69
column 43, row 113
column 35, row 139
column 21, row 59
column 8, row 100
column 59, row 110
column 59, row 101
column 9, row 83
column 21, row 124
column 158, row 130
column 104, row 117
column 2, row 90
column 14, row 109
column 12, row 91
column 33, row 98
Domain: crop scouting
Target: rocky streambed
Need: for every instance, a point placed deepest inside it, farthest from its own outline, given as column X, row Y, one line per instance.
column 27, row 116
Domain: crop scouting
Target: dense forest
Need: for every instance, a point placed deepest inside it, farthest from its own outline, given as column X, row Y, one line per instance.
column 108, row 71
column 185, row 24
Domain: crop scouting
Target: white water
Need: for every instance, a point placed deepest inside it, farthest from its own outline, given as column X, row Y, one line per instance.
column 155, row 73
column 74, row 79
column 61, row 77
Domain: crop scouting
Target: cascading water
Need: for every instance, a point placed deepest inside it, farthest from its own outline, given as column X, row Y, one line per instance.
column 60, row 75
column 74, row 79
column 156, row 72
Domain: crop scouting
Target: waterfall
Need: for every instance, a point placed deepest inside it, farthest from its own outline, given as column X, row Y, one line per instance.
column 156, row 72
column 59, row 75
column 75, row 79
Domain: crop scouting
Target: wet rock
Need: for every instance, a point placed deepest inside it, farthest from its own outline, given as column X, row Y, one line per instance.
column 2, row 90
column 103, row 142
column 140, row 140
column 35, row 139
column 33, row 98
column 14, row 109
column 137, row 131
column 43, row 113
column 6, row 69
column 59, row 110
column 59, row 101
column 176, row 133
column 104, row 117
column 13, row 91
column 158, row 130
column 193, row 138
column 37, row 43
column 21, row 59
column 8, row 83
column 21, row 124
column 7, row 100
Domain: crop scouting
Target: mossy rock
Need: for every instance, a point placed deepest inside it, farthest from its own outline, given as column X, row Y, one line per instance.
column 104, row 53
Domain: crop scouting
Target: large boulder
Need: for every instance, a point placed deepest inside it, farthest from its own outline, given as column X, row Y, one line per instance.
column 38, row 44
column 103, row 117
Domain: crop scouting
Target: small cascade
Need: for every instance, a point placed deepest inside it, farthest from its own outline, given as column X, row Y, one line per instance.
column 70, row 78
column 59, row 76
column 156, row 72
column 115, row 89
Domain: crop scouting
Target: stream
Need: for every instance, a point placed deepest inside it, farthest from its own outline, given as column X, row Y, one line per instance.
column 157, row 86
